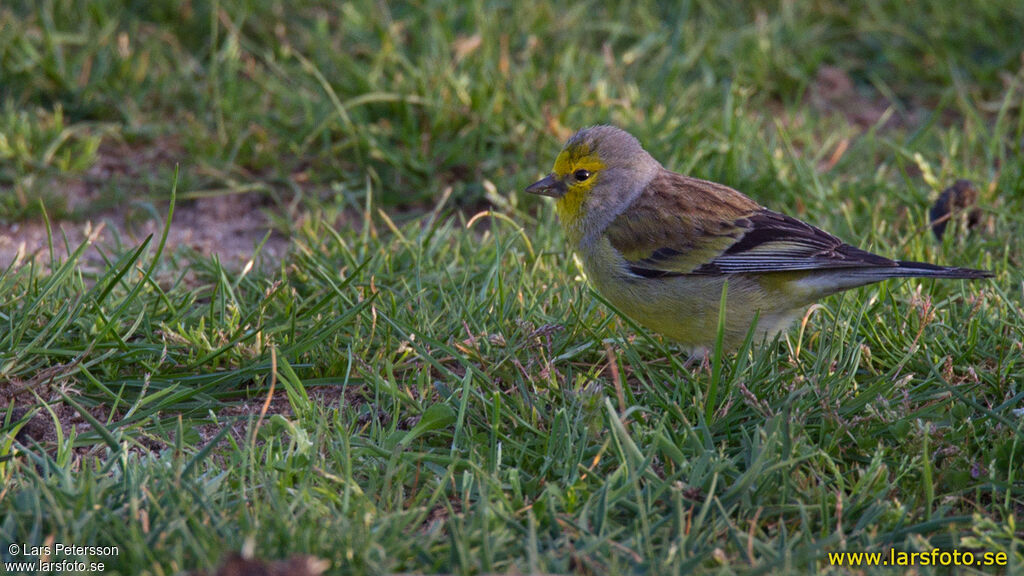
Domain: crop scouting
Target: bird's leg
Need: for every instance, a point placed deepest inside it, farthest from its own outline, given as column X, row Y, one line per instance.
column 698, row 358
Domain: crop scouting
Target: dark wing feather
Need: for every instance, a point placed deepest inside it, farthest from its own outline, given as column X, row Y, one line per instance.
column 683, row 225
column 775, row 242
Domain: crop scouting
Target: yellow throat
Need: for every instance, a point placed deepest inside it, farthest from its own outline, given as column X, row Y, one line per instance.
column 570, row 205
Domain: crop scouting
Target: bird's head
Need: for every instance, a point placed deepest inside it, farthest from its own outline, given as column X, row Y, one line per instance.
column 599, row 169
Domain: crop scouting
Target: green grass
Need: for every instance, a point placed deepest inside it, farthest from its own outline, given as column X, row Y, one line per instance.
column 449, row 395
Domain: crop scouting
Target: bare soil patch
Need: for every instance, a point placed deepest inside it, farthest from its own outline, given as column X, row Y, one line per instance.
column 228, row 225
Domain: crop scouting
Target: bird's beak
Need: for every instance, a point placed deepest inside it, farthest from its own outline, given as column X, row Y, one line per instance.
column 548, row 186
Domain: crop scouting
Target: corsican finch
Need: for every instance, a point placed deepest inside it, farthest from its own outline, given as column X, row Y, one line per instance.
column 661, row 246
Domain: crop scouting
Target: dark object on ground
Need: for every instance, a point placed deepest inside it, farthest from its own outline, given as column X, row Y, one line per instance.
column 954, row 201
column 298, row 565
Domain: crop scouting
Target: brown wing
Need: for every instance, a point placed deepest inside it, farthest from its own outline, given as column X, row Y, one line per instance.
column 682, row 225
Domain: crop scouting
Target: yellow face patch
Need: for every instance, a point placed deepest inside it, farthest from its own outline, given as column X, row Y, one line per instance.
column 578, row 157
column 570, row 160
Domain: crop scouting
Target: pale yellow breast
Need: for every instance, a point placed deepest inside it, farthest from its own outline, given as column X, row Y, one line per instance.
column 685, row 308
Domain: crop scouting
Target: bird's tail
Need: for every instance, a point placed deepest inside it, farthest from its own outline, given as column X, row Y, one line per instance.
column 905, row 269
column 869, row 274
column 846, row 278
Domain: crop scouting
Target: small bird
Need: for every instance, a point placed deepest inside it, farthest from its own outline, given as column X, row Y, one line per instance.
column 661, row 246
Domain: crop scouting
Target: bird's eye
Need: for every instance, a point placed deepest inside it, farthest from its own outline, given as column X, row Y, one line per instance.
column 581, row 175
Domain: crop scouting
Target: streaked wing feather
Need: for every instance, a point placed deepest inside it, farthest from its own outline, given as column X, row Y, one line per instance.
column 682, row 225
column 776, row 242
column 679, row 224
